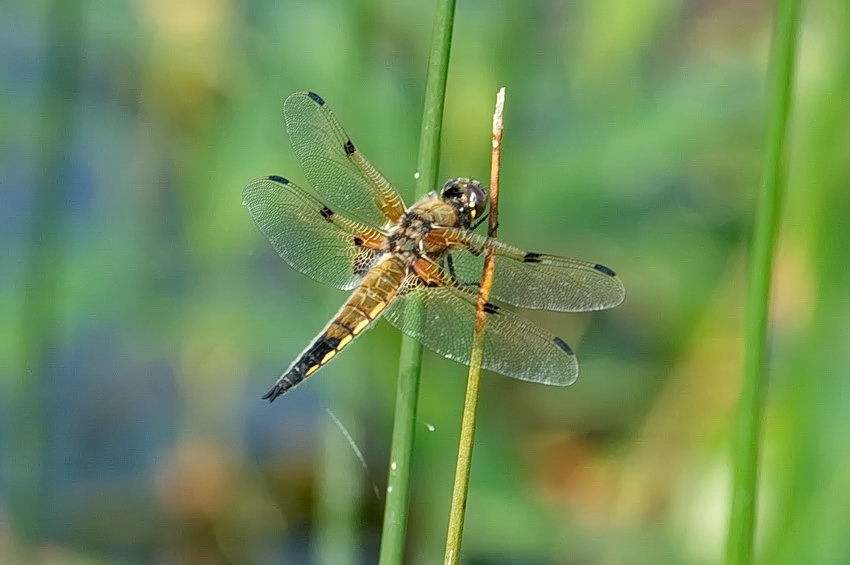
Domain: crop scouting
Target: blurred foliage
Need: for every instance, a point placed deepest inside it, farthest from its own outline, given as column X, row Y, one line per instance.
column 634, row 135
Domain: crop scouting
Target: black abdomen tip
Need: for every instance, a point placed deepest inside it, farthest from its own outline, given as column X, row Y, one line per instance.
column 276, row 391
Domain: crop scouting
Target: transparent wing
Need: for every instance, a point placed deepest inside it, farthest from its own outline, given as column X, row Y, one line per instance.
column 336, row 169
column 309, row 236
column 513, row 346
column 535, row 280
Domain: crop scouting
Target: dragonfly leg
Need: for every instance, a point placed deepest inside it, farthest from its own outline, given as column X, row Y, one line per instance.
column 480, row 221
column 490, row 231
column 450, row 266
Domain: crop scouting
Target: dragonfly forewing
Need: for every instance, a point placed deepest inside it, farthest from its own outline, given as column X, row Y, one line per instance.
column 534, row 280
column 335, row 167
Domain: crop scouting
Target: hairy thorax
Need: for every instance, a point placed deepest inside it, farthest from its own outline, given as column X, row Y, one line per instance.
column 407, row 239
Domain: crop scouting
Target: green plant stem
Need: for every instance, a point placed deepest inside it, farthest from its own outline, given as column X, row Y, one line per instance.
column 410, row 362
column 747, row 439
column 457, row 513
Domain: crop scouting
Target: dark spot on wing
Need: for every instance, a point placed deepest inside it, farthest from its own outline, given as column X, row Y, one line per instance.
column 358, row 241
column 316, row 98
column 363, row 260
column 326, row 212
column 531, row 257
column 349, row 148
column 563, row 345
column 605, row 270
column 276, row 178
column 491, row 308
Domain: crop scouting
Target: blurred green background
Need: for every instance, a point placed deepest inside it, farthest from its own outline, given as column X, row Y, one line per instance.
column 142, row 314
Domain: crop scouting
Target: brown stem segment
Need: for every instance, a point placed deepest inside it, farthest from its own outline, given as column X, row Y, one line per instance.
column 467, row 432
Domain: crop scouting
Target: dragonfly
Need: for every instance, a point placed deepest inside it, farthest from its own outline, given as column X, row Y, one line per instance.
column 414, row 266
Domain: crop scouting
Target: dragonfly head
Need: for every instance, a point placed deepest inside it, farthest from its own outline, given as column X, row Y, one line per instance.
column 468, row 198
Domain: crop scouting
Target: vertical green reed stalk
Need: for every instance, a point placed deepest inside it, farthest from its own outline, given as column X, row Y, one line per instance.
column 410, row 362
column 747, row 439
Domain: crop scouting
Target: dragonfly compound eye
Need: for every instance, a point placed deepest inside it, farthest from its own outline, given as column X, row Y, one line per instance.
column 453, row 189
column 476, row 198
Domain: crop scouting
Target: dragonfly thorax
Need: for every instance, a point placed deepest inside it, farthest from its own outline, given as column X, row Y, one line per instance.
column 407, row 237
column 460, row 201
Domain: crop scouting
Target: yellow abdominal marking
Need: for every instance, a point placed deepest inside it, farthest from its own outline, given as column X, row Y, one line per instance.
column 359, row 327
column 379, row 307
column 328, row 356
column 343, row 342
column 311, row 370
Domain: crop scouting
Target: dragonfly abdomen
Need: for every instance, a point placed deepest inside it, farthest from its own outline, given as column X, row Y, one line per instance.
column 377, row 290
